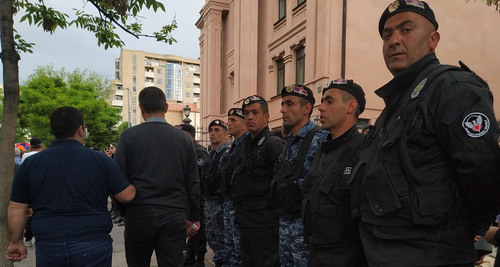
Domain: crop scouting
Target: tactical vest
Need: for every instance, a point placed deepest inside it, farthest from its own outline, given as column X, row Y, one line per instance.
column 326, row 212
column 211, row 185
column 227, row 169
column 395, row 192
column 252, row 175
column 286, row 192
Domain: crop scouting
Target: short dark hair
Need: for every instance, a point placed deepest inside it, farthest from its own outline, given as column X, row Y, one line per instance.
column 304, row 102
column 152, row 99
column 64, row 122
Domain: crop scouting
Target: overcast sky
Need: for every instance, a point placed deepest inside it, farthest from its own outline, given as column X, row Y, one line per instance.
column 73, row 48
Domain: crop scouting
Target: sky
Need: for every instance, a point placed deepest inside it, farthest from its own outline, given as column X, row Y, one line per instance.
column 73, row 48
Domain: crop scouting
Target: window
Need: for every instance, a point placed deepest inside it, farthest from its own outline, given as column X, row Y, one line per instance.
column 134, row 58
column 196, row 75
column 280, row 66
column 134, row 80
column 299, row 2
column 300, row 55
column 159, row 81
column 188, row 74
column 134, row 100
column 134, row 89
column 119, row 97
column 134, row 69
column 117, row 75
column 188, row 84
column 188, row 94
column 134, row 110
column 158, row 70
column 281, row 9
column 117, row 65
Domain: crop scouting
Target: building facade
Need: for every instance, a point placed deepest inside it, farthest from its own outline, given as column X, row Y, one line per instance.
column 178, row 77
column 258, row 47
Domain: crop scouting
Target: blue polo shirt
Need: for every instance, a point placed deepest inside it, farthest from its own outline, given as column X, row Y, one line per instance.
column 68, row 186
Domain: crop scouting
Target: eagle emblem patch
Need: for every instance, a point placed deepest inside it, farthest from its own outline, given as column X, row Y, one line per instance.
column 476, row 124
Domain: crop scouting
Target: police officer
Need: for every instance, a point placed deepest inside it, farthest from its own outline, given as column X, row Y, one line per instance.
column 328, row 228
column 431, row 169
column 196, row 246
column 254, row 210
column 294, row 163
column 237, row 129
column 211, row 190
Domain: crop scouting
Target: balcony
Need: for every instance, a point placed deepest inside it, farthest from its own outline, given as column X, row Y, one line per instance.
column 196, row 90
column 117, row 103
column 147, row 84
column 149, row 74
column 119, row 92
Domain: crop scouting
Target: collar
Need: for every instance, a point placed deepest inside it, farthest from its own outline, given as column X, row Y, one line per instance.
column 330, row 145
column 65, row 142
column 239, row 140
column 303, row 131
column 223, row 146
column 157, row 119
column 404, row 79
column 259, row 136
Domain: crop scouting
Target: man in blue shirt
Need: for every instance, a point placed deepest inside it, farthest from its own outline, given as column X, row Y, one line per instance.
column 67, row 186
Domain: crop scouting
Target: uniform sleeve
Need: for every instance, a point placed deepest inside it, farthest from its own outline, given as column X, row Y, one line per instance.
column 469, row 131
column 192, row 183
column 275, row 148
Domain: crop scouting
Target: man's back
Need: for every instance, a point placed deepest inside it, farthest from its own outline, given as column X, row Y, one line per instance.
column 158, row 159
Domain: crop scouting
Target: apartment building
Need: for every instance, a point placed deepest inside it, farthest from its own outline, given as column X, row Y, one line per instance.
column 258, row 47
column 178, row 77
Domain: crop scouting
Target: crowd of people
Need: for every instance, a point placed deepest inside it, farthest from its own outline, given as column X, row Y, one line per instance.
column 418, row 188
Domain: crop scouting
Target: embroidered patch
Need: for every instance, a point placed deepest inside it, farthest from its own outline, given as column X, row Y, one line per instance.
column 289, row 88
column 417, row 89
column 476, row 124
column 261, row 140
column 348, row 170
column 300, row 90
column 415, row 3
column 247, row 101
column 200, row 162
column 394, row 6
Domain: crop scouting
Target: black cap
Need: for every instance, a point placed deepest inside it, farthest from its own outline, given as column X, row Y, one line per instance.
column 35, row 141
column 399, row 6
column 253, row 99
column 236, row 112
column 217, row 123
column 351, row 87
column 300, row 91
column 188, row 128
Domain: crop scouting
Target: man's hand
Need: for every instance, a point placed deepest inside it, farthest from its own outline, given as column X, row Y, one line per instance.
column 490, row 235
column 16, row 251
column 192, row 228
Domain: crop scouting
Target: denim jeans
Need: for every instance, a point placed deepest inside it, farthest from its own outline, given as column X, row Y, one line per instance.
column 74, row 254
column 154, row 228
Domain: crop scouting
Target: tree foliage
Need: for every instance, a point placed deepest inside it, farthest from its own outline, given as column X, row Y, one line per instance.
column 490, row 3
column 48, row 89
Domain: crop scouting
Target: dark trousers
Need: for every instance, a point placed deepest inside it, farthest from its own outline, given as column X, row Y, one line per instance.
column 348, row 255
column 154, row 228
column 74, row 254
column 259, row 247
column 198, row 243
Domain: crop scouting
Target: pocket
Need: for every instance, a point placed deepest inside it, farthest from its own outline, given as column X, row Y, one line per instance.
column 431, row 205
column 381, row 195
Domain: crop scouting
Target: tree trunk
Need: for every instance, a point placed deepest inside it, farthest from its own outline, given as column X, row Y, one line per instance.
column 10, row 60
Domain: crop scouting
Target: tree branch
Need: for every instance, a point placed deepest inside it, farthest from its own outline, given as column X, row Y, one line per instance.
column 101, row 11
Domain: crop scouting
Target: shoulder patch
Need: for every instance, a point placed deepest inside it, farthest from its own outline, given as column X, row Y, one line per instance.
column 418, row 88
column 476, row 124
column 261, row 140
column 200, row 162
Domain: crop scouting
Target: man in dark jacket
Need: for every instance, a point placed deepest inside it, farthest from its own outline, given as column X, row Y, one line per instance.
column 430, row 178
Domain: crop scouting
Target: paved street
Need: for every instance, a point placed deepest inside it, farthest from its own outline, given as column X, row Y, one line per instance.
column 118, row 252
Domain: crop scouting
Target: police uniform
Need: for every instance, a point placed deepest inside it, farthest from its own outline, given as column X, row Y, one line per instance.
column 430, row 165
column 211, row 191
column 231, row 229
column 255, row 213
column 293, row 165
column 330, row 231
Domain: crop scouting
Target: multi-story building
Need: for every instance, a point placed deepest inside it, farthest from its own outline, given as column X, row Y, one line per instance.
column 178, row 77
column 258, row 47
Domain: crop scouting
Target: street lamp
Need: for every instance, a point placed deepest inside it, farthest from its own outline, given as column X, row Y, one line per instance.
column 186, row 111
column 317, row 120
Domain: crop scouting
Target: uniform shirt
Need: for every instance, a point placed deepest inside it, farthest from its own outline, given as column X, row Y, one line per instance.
column 68, row 186
column 293, row 143
column 228, row 164
column 211, row 183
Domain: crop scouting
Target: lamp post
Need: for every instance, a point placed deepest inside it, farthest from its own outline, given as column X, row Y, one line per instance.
column 317, row 120
column 186, row 111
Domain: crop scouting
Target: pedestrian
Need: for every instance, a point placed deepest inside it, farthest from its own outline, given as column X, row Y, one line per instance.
column 196, row 246
column 161, row 162
column 67, row 186
column 237, row 129
column 430, row 164
column 211, row 192
column 332, row 234
column 255, row 213
column 292, row 167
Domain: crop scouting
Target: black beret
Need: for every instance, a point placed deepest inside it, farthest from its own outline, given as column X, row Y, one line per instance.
column 35, row 141
column 253, row 99
column 399, row 6
column 236, row 112
column 351, row 87
column 217, row 123
column 188, row 128
column 300, row 91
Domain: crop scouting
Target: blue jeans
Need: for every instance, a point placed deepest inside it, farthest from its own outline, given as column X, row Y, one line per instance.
column 74, row 254
column 154, row 228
